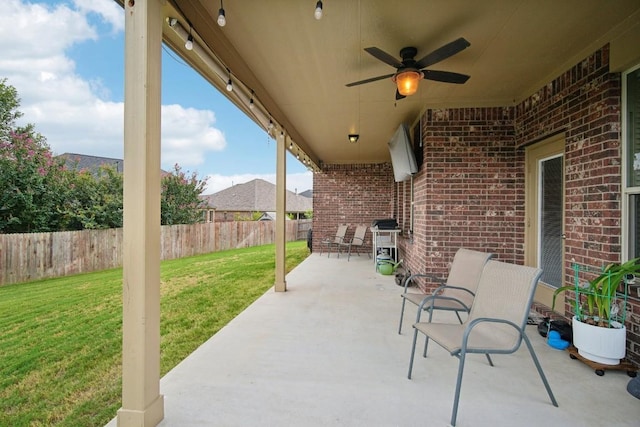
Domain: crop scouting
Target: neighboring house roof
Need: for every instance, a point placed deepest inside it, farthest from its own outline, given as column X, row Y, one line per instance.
column 257, row 195
column 308, row 193
column 90, row 163
column 93, row 163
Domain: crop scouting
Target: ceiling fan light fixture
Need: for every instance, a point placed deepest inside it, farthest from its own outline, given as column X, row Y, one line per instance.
column 407, row 82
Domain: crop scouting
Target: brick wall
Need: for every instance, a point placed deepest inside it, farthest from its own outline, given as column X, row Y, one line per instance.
column 585, row 103
column 469, row 191
column 350, row 194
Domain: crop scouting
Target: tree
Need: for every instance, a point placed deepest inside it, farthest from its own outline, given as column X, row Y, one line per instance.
column 9, row 103
column 181, row 203
column 32, row 185
column 93, row 201
column 9, row 114
column 38, row 193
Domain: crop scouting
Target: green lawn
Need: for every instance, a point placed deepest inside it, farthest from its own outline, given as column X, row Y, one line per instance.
column 60, row 339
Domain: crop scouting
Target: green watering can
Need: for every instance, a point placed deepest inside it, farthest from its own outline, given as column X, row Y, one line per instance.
column 388, row 267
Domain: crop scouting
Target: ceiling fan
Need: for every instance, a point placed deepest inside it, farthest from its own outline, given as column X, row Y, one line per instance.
column 409, row 71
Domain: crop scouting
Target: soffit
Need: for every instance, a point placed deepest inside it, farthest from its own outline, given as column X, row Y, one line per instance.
column 298, row 66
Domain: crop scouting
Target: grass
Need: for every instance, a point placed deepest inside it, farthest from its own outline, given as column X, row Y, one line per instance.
column 61, row 339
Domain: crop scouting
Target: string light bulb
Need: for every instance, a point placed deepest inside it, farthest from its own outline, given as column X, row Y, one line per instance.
column 189, row 43
column 251, row 104
column 318, row 12
column 270, row 124
column 229, row 82
column 222, row 19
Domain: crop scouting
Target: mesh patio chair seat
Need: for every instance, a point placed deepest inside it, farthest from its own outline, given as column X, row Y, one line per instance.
column 495, row 325
column 456, row 291
column 335, row 240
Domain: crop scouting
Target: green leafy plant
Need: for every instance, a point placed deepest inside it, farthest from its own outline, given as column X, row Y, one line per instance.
column 601, row 292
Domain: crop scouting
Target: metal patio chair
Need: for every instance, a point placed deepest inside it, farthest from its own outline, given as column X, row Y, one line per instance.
column 356, row 242
column 335, row 240
column 456, row 291
column 495, row 325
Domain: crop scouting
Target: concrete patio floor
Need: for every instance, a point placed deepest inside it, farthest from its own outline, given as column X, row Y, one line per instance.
column 327, row 353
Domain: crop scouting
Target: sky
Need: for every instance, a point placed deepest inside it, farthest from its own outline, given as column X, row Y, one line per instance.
column 66, row 60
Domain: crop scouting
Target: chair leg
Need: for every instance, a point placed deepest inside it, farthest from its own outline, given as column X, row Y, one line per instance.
column 404, row 301
column 426, row 345
column 413, row 351
column 426, row 338
column 489, row 359
column 454, row 412
column 539, row 368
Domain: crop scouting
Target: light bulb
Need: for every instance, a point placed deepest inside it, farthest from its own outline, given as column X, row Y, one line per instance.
column 222, row 20
column 318, row 12
column 229, row 85
column 189, row 43
column 251, row 104
column 270, row 124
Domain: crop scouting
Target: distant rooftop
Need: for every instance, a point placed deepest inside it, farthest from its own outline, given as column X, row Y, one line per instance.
column 257, row 195
column 90, row 163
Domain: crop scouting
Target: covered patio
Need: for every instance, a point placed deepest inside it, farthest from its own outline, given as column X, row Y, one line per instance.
column 327, row 353
column 552, row 90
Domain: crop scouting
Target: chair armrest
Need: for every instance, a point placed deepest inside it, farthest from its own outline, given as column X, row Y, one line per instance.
column 417, row 275
column 431, row 299
column 459, row 288
column 469, row 328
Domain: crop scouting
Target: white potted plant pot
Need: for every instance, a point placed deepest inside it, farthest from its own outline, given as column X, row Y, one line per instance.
column 598, row 344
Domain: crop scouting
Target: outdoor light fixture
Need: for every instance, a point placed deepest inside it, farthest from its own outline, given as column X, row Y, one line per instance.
column 407, row 81
column 229, row 85
column 222, row 20
column 353, row 138
column 318, row 12
column 189, row 43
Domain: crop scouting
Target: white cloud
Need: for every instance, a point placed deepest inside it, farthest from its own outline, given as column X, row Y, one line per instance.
column 296, row 182
column 108, row 10
column 187, row 134
column 76, row 114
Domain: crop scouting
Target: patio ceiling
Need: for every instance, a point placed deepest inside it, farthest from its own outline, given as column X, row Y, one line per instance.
column 297, row 67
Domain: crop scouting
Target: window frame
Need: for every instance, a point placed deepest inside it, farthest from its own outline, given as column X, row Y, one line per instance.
column 627, row 191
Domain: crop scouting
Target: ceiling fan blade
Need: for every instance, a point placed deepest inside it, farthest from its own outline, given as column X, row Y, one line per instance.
column 445, row 76
column 372, row 79
column 443, row 52
column 383, row 56
column 398, row 96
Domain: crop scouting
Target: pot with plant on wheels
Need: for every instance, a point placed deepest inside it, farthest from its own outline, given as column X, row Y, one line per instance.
column 599, row 332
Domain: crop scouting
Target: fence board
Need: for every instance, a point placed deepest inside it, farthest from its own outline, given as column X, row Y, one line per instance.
column 26, row 257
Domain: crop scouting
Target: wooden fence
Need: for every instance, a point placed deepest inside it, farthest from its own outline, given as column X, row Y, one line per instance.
column 26, row 257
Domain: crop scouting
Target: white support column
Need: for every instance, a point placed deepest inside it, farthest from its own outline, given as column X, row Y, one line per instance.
column 281, row 212
column 142, row 404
